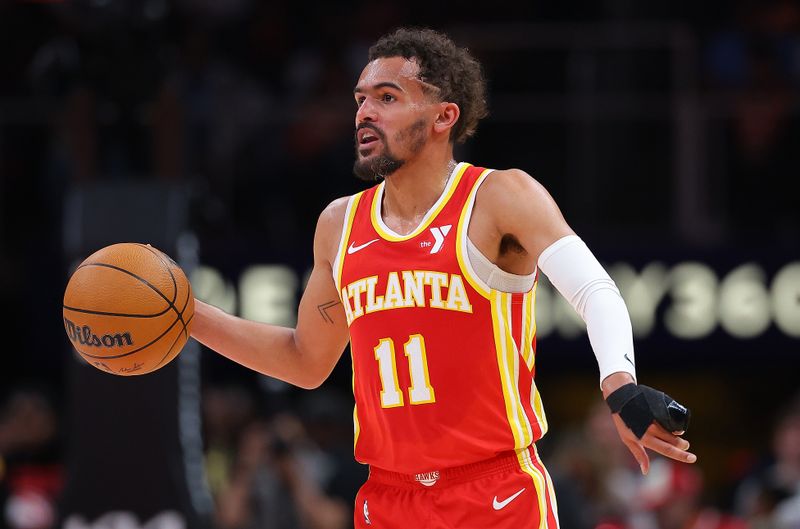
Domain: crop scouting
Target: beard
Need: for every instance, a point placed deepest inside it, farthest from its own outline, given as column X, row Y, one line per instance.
column 377, row 168
column 386, row 163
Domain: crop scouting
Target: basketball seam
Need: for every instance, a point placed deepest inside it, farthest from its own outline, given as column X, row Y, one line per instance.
column 100, row 313
column 159, row 255
column 170, row 304
column 143, row 280
column 172, row 346
column 185, row 306
column 168, row 264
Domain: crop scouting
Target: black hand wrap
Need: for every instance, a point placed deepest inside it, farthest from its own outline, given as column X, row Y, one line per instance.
column 638, row 406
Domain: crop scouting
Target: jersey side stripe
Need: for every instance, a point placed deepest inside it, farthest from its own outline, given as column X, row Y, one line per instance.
column 551, row 497
column 347, row 227
column 503, row 368
column 515, row 358
column 356, row 424
column 538, row 408
column 532, row 317
column 537, row 423
column 536, row 399
column 338, row 266
column 528, row 329
column 539, row 483
column 508, row 365
column 530, row 358
column 512, row 360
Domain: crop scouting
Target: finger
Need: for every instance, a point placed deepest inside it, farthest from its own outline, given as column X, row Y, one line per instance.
column 660, row 433
column 640, row 455
column 668, row 450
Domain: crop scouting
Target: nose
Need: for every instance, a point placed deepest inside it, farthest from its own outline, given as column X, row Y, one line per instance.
column 366, row 112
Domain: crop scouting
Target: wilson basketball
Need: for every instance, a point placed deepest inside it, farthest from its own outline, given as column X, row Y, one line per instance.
column 128, row 309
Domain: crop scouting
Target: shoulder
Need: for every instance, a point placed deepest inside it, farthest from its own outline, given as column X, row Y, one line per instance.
column 329, row 228
column 334, row 212
column 514, row 203
column 510, row 188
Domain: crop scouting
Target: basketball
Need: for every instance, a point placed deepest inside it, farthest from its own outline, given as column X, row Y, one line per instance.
column 128, row 309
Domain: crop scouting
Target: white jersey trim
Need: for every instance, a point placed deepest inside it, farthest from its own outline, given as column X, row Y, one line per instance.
column 447, row 192
column 347, row 226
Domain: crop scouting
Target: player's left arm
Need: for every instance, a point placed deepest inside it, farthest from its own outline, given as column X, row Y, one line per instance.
column 645, row 418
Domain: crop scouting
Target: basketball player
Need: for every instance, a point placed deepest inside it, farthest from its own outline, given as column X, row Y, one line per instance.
column 430, row 275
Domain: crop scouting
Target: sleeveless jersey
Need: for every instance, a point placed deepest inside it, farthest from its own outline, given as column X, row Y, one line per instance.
column 443, row 365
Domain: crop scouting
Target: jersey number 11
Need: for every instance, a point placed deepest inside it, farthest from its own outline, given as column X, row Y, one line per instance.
column 421, row 391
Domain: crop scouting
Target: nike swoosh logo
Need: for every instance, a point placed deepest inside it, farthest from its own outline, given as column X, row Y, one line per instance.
column 353, row 248
column 500, row 504
column 629, row 360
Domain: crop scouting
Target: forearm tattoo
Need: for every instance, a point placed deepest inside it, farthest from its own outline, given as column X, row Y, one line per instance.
column 323, row 310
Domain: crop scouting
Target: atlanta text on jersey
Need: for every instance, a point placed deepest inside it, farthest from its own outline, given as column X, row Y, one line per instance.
column 409, row 288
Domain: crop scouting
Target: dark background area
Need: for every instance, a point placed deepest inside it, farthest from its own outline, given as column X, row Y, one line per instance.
column 668, row 133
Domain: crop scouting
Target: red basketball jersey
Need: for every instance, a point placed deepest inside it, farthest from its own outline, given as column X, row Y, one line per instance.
column 442, row 364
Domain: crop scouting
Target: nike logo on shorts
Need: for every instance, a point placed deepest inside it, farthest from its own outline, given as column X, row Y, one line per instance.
column 500, row 504
column 353, row 248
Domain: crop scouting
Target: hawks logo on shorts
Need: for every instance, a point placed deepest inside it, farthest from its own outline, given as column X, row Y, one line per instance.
column 442, row 364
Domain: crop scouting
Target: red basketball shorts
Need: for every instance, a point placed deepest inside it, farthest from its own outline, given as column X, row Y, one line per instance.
column 510, row 491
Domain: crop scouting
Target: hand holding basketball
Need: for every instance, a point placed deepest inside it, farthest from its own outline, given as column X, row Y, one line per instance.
column 128, row 309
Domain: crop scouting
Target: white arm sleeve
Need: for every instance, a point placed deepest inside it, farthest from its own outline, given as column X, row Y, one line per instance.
column 581, row 279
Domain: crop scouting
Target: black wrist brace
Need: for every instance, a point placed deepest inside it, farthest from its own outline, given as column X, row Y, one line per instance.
column 639, row 405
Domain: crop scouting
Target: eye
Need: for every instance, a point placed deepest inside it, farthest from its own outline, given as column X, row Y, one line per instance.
column 387, row 98
column 360, row 100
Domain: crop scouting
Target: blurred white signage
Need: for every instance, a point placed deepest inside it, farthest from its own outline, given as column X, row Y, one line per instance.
column 128, row 520
column 691, row 298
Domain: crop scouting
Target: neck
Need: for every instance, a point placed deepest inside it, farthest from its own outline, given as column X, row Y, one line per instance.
column 413, row 189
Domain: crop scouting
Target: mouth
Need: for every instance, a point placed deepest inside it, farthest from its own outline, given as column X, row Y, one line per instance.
column 366, row 137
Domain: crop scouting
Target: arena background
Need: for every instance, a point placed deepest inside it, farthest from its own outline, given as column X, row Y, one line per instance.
column 667, row 132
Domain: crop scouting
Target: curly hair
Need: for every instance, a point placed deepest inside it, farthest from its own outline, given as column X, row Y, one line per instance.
column 457, row 75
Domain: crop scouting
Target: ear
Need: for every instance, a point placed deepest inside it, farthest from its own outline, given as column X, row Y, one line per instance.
column 447, row 117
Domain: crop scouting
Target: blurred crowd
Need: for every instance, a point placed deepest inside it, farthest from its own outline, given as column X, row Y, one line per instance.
column 599, row 484
column 291, row 467
column 249, row 101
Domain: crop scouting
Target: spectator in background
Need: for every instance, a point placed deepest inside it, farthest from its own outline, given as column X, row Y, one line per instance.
column 594, row 475
column 227, row 410
column 600, row 487
column 31, row 473
column 272, row 484
column 327, row 417
column 269, row 468
column 770, row 497
column 671, row 497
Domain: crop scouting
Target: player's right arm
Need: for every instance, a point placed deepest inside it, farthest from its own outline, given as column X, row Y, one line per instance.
column 304, row 356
